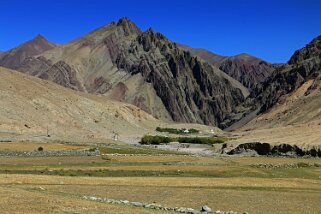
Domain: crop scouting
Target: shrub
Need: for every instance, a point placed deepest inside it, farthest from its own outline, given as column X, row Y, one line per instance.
column 40, row 149
column 148, row 139
column 156, row 140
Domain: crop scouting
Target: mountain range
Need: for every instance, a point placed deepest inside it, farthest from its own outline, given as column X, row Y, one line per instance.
column 175, row 82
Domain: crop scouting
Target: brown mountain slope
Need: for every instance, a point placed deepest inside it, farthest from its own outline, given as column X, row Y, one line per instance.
column 30, row 106
column 14, row 57
column 294, row 120
column 142, row 68
column 291, row 95
column 208, row 56
column 247, row 69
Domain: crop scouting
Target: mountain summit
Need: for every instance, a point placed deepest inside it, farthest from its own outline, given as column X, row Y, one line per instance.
column 14, row 57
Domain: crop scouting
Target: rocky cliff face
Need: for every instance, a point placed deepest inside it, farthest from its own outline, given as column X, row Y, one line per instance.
column 304, row 66
column 248, row 70
column 191, row 90
column 142, row 68
column 14, row 57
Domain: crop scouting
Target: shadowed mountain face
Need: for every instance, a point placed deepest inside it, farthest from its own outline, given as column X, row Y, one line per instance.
column 299, row 79
column 142, row 68
column 14, row 57
column 191, row 90
column 248, row 70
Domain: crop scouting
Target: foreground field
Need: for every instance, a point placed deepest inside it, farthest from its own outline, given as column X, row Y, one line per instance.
column 252, row 184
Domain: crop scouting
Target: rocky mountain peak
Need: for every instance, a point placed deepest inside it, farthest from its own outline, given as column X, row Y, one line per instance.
column 150, row 38
column 310, row 51
column 128, row 26
column 153, row 35
column 39, row 37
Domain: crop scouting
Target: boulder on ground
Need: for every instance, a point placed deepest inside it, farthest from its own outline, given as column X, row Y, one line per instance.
column 206, row 209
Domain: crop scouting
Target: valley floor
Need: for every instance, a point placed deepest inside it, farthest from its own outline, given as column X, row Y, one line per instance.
column 252, row 184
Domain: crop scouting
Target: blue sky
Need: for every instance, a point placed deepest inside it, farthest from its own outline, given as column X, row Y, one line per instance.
column 270, row 29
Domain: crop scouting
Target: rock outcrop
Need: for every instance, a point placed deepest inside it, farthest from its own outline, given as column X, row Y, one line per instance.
column 276, row 150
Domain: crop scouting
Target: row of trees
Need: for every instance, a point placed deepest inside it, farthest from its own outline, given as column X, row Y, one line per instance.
column 156, row 140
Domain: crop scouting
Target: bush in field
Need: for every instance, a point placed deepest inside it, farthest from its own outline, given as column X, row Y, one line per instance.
column 148, row 139
column 40, row 149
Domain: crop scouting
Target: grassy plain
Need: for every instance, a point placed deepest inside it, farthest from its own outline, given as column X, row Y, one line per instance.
column 57, row 184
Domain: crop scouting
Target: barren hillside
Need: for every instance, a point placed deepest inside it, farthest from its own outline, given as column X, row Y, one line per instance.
column 31, row 106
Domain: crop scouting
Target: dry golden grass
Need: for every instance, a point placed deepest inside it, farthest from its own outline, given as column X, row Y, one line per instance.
column 242, row 194
column 177, row 158
column 159, row 182
column 45, row 161
column 266, row 200
column 233, row 184
column 33, row 146
column 16, row 200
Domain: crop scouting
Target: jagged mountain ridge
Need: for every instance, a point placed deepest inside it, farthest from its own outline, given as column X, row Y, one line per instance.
column 297, row 83
column 247, row 69
column 14, row 57
column 142, row 68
